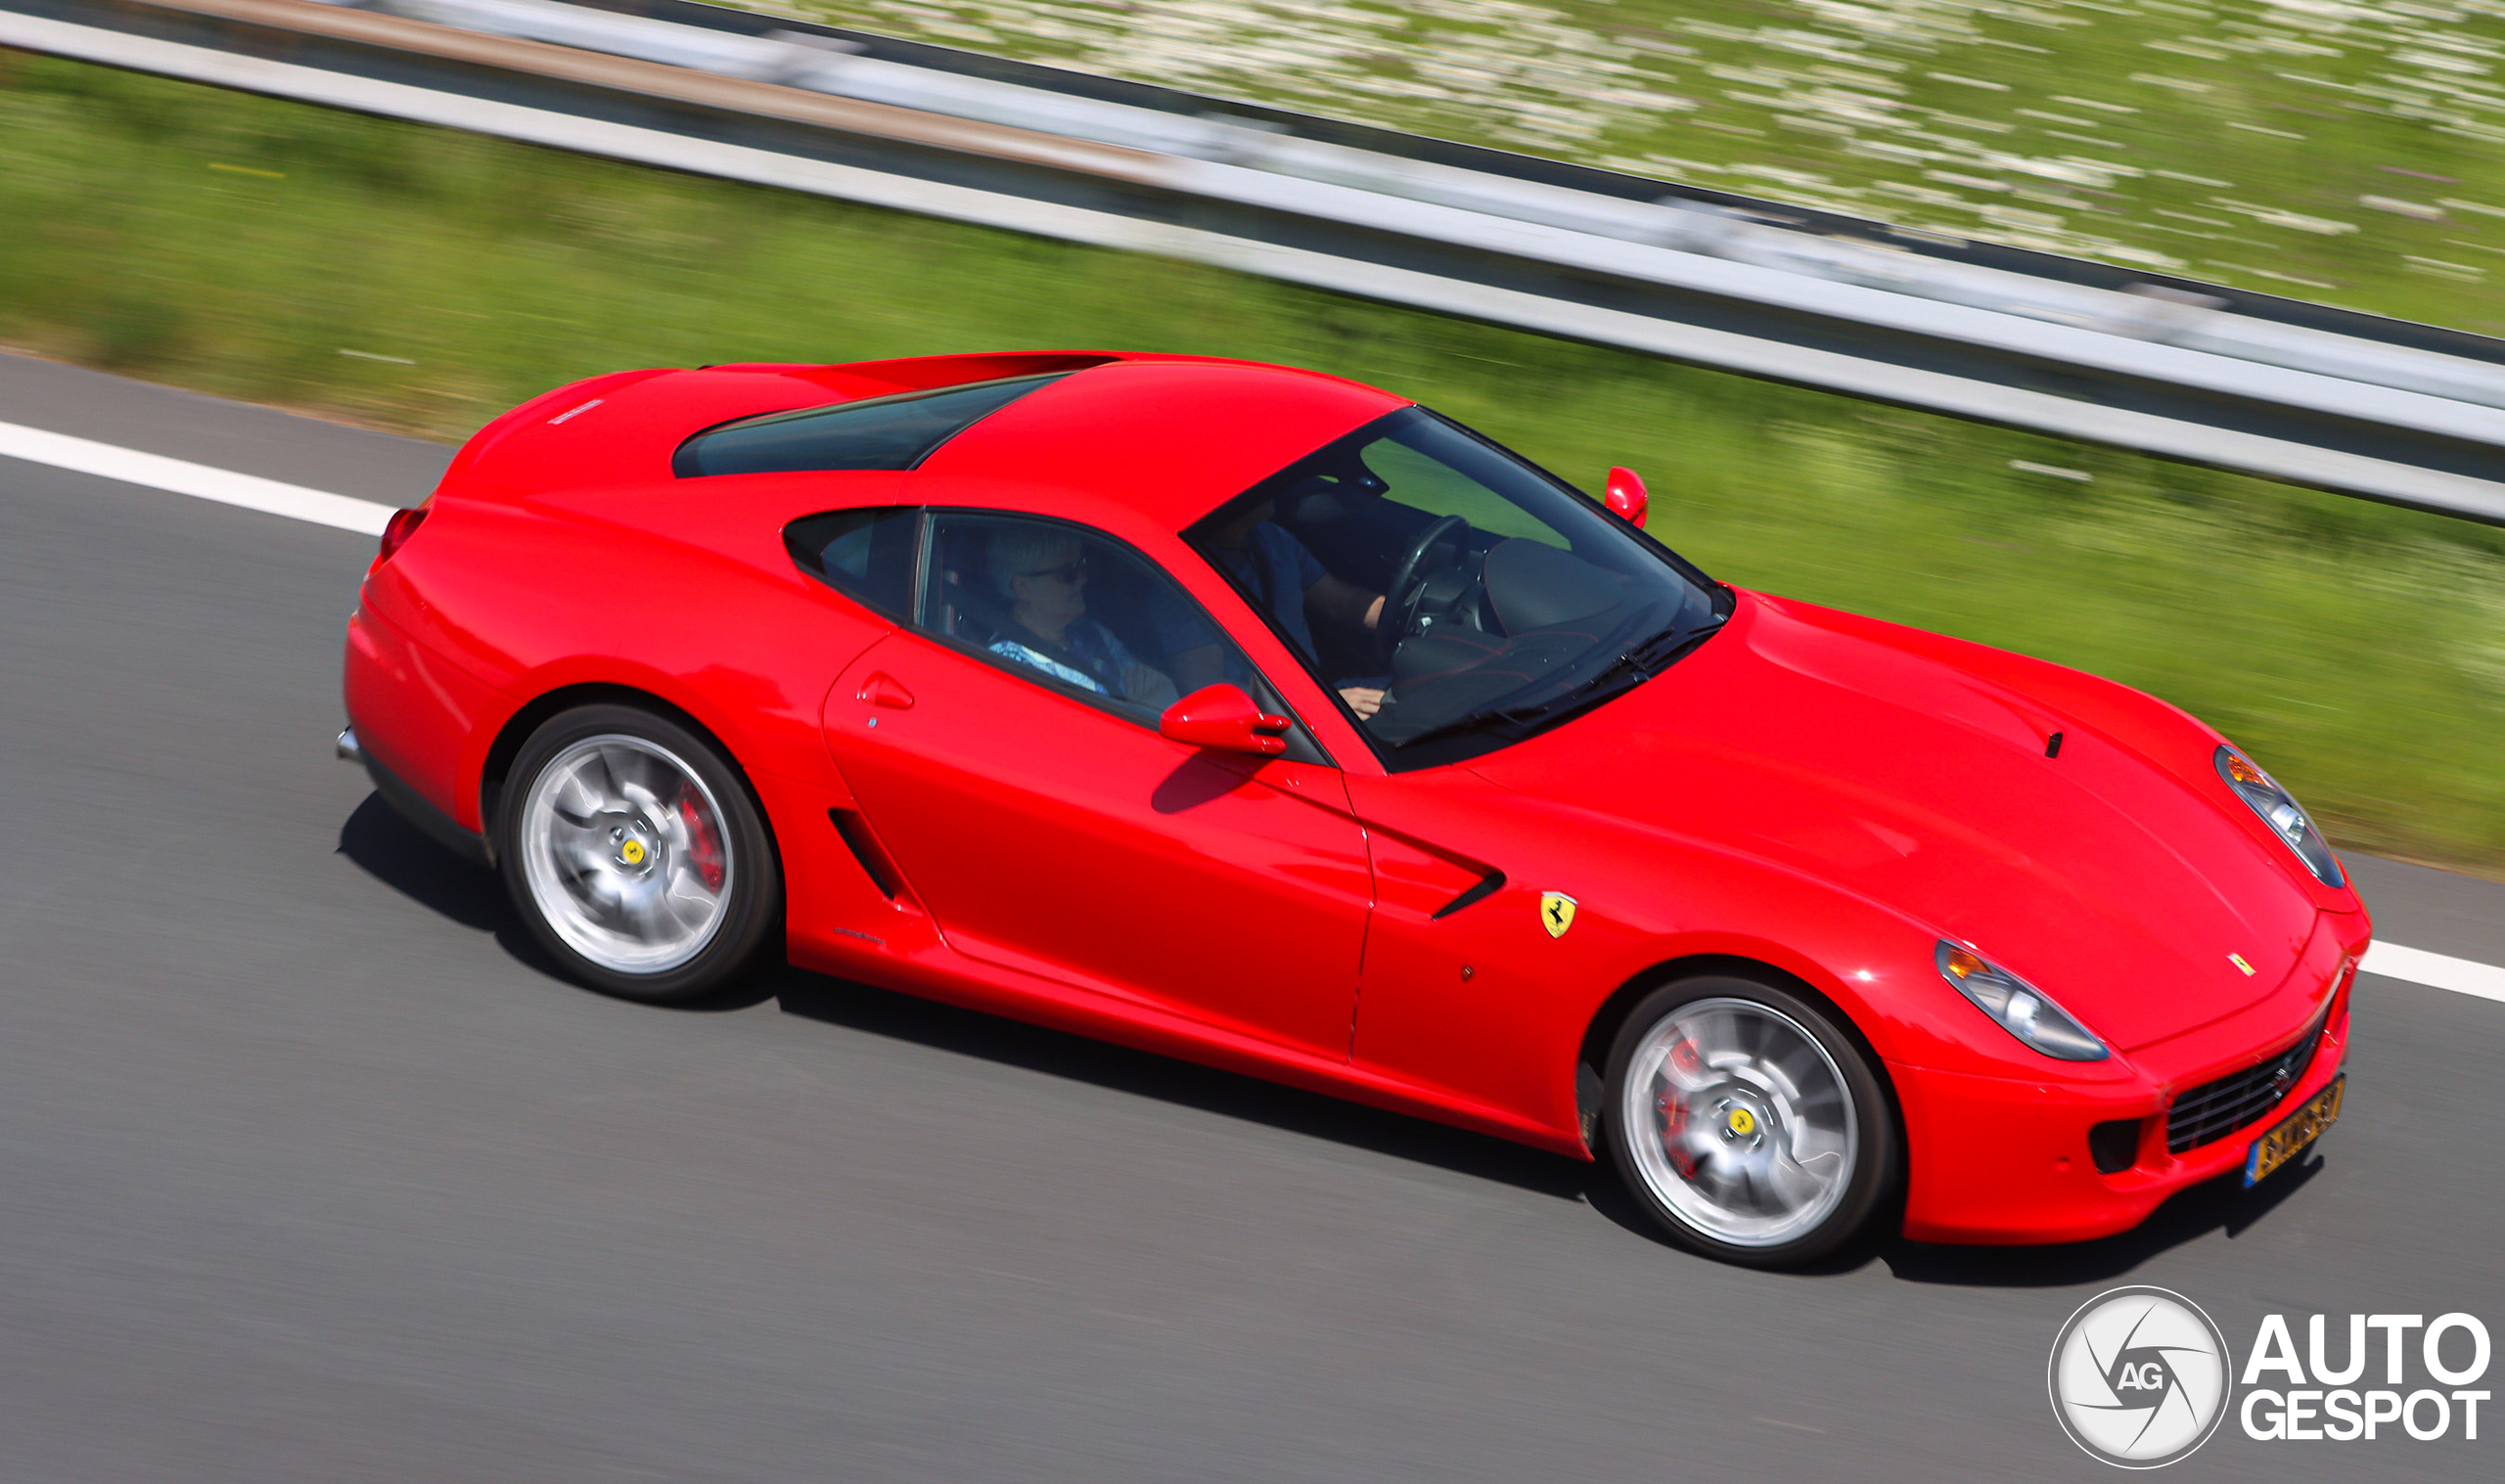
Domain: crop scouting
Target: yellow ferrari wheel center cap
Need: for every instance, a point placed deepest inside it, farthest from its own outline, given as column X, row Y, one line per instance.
column 632, row 852
column 1742, row 1122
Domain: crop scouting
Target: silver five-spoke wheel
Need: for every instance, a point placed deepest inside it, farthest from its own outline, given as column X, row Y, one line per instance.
column 638, row 855
column 1751, row 1136
column 622, row 846
column 1747, row 1120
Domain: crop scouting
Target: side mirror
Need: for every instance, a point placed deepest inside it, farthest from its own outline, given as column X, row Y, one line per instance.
column 1627, row 498
column 1224, row 717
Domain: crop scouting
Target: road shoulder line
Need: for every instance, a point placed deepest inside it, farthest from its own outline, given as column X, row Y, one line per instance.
column 199, row 480
column 2463, row 976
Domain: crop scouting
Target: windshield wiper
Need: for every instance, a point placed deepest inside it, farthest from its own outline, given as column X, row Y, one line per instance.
column 1668, row 647
column 1632, row 668
column 1629, row 670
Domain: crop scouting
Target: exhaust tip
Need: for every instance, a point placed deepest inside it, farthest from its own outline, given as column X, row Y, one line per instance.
column 348, row 748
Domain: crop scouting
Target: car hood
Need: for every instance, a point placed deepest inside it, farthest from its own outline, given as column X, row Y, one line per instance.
column 1836, row 747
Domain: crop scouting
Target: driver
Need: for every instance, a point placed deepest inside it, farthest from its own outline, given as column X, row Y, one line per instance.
column 1042, row 573
column 1286, row 580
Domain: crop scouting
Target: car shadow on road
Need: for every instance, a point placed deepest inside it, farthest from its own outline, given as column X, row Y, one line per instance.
column 397, row 854
column 1147, row 1074
column 2221, row 1205
column 394, row 852
column 409, row 861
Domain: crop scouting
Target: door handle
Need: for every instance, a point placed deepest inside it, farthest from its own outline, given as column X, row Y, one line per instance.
column 883, row 690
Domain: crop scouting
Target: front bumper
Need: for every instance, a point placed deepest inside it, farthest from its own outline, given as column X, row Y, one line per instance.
column 2007, row 1160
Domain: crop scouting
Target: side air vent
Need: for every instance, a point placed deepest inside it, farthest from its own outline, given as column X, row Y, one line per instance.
column 1489, row 885
column 864, row 846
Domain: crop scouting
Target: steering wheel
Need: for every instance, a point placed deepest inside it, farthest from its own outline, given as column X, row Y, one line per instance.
column 1388, row 630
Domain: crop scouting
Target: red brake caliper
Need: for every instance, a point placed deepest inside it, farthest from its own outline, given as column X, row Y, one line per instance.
column 1674, row 1107
column 703, row 844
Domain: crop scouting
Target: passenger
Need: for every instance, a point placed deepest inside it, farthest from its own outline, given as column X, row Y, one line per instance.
column 1286, row 579
column 1042, row 574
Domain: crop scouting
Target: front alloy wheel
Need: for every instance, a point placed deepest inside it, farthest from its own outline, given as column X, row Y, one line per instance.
column 636, row 855
column 1746, row 1122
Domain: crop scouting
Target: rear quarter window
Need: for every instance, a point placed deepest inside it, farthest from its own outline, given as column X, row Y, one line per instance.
column 867, row 555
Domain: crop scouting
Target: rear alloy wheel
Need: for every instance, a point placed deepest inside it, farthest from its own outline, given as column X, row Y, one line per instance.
column 637, row 856
column 1746, row 1121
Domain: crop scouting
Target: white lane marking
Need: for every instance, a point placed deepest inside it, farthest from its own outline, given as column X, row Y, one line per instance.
column 2463, row 976
column 199, row 480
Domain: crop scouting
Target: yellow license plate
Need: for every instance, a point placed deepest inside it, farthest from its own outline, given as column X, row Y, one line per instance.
column 2289, row 1137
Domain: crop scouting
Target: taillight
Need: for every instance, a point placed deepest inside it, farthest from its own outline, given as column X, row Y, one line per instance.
column 402, row 525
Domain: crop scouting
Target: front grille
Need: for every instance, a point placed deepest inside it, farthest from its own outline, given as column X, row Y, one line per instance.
column 2214, row 1109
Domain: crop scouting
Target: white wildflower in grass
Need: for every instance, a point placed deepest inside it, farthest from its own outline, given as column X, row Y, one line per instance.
column 2129, row 111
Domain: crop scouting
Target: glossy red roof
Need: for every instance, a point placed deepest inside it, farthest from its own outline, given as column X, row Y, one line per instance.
column 1164, row 438
column 1168, row 439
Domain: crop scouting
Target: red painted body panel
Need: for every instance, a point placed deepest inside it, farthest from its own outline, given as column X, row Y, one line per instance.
column 1162, row 442
column 1818, row 794
column 2004, row 1159
column 1881, row 772
column 1052, row 837
column 416, row 710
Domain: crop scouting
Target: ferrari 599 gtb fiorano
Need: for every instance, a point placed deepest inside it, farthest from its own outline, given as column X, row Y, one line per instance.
column 1269, row 720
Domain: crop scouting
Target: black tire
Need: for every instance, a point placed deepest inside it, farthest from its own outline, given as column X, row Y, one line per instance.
column 710, row 836
column 1712, row 1205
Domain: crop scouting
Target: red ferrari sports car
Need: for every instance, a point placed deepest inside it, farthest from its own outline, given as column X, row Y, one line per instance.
column 1266, row 719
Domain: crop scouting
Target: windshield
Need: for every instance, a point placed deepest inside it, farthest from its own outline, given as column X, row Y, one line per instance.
column 1453, row 596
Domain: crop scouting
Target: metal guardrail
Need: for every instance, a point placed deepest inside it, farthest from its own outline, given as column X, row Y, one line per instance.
column 2405, row 412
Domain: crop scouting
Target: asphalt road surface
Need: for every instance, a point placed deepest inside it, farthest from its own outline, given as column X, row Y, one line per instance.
column 311, row 1170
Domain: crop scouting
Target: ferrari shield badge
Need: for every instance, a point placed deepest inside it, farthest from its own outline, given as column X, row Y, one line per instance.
column 1556, row 913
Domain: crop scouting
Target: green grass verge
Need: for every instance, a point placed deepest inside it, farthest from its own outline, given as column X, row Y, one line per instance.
column 2315, row 147
column 272, row 251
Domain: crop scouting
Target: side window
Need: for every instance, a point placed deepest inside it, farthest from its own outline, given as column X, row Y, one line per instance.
column 1075, row 611
column 866, row 555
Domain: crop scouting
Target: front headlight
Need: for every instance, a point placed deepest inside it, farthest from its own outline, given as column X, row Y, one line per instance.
column 2018, row 1007
column 2286, row 817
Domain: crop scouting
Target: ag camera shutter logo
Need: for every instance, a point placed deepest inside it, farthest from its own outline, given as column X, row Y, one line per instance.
column 2139, row 1378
